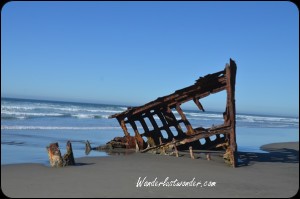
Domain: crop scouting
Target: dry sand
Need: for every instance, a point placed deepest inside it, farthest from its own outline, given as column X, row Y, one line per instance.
column 274, row 174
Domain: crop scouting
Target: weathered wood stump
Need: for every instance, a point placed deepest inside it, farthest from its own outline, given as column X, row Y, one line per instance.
column 68, row 158
column 55, row 158
column 54, row 155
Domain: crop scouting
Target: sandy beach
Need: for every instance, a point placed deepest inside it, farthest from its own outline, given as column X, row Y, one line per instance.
column 273, row 174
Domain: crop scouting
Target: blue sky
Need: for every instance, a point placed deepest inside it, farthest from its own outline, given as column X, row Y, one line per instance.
column 133, row 52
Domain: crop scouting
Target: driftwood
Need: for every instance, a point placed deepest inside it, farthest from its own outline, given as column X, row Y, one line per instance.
column 55, row 158
column 163, row 108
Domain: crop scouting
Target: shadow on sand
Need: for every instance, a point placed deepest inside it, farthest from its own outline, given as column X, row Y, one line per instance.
column 82, row 164
column 283, row 155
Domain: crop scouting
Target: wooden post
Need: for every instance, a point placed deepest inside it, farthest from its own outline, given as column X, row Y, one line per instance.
column 54, row 155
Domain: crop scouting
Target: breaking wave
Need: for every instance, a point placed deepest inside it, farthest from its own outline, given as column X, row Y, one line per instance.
column 3, row 127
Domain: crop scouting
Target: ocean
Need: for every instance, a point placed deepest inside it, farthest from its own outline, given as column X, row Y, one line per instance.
column 28, row 126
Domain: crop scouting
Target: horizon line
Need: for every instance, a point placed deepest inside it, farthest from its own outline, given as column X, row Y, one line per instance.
column 62, row 101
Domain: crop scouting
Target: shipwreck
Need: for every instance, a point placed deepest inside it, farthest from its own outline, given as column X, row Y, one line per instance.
column 150, row 136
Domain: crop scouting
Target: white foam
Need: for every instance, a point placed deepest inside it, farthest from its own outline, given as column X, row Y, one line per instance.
column 3, row 127
column 30, row 114
column 250, row 118
column 105, row 116
column 84, row 116
column 59, row 108
column 16, row 107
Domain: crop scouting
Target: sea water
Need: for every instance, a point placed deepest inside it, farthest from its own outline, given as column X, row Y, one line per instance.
column 28, row 126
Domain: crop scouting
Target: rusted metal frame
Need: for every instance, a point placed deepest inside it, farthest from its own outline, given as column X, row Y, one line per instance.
column 123, row 114
column 181, row 91
column 168, row 100
column 165, row 99
column 147, row 107
column 123, row 126
column 138, row 110
column 210, row 85
column 218, row 89
column 204, row 86
column 223, row 129
column 210, row 81
column 137, row 135
column 147, row 133
column 201, row 81
column 179, row 99
column 144, row 125
column 207, row 140
column 183, row 141
column 198, row 95
column 165, row 124
column 204, row 94
column 198, row 136
column 141, row 118
column 184, row 98
column 199, row 105
column 152, row 120
column 219, row 127
column 230, row 77
column 189, row 127
column 209, row 78
column 155, row 134
column 172, row 121
column 222, row 79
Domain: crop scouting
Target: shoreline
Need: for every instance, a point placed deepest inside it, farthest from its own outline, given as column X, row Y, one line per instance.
column 273, row 174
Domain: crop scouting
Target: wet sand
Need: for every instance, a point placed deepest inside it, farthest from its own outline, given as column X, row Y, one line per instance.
column 274, row 174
